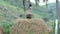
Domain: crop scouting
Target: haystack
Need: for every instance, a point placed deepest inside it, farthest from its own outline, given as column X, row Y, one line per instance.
column 29, row 26
column 1, row 30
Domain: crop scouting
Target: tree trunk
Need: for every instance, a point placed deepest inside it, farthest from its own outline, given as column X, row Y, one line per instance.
column 56, row 21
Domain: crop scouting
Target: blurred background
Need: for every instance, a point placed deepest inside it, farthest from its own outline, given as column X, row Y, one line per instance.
column 10, row 10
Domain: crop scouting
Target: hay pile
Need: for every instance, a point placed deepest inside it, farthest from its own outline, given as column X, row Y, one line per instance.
column 29, row 26
column 1, row 30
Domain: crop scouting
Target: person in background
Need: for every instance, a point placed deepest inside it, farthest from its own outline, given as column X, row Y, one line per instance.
column 29, row 16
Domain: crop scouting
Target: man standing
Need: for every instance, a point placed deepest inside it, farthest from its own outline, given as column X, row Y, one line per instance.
column 29, row 16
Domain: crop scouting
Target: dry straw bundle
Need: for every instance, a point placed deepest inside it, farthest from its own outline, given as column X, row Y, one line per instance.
column 29, row 26
column 1, row 30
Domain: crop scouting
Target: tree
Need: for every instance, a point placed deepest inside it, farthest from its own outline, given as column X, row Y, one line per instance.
column 56, row 20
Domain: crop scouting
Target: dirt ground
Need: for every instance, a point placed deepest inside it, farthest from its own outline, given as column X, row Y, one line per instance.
column 29, row 26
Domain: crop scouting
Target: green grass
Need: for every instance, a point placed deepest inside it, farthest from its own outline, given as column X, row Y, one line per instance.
column 5, row 23
column 30, row 32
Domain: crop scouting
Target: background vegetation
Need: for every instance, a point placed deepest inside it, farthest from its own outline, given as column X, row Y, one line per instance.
column 9, row 11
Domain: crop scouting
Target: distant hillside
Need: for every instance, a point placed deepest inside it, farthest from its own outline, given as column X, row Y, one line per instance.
column 7, row 11
column 17, row 10
column 10, row 12
column 40, row 12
